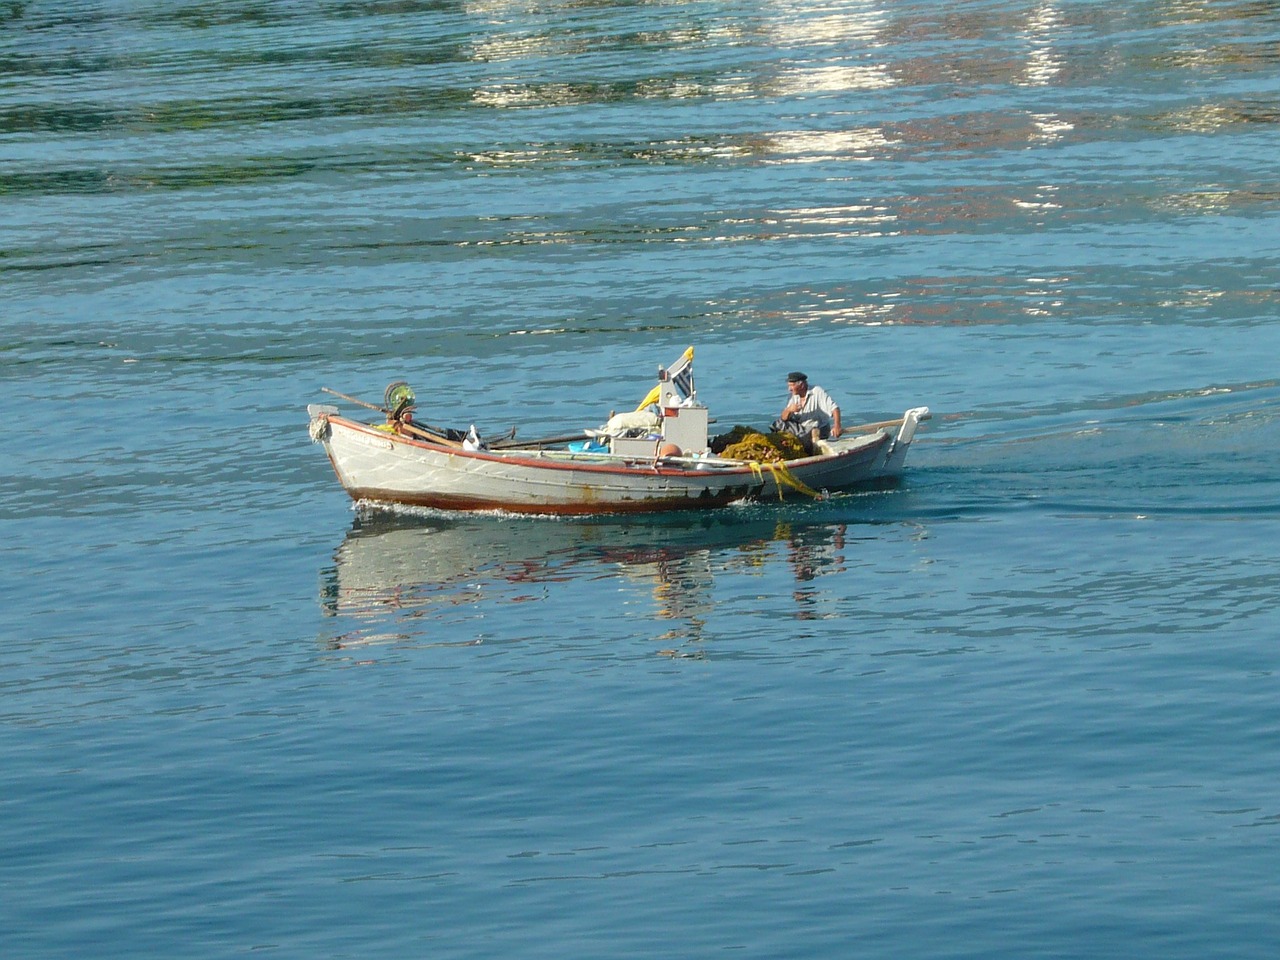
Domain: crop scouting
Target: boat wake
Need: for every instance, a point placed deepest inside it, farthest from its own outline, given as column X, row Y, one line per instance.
column 1202, row 451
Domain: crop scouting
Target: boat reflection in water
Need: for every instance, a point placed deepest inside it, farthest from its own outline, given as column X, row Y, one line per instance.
column 466, row 581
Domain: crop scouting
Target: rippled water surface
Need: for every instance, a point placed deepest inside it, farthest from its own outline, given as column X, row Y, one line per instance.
column 1021, row 704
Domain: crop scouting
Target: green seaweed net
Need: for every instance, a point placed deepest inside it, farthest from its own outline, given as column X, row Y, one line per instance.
column 747, row 443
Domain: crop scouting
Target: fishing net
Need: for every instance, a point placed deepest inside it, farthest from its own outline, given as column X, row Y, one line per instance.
column 746, row 443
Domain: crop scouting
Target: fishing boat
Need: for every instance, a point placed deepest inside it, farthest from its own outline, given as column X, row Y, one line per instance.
column 657, row 458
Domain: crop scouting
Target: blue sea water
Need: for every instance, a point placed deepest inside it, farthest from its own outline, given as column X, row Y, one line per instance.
column 1022, row 704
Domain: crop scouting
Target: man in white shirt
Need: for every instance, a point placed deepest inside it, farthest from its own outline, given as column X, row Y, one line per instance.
column 809, row 409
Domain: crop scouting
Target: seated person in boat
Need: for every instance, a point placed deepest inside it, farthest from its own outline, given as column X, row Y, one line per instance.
column 808, row 409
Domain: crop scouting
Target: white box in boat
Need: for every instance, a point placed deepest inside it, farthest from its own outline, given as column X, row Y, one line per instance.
column 634, row 446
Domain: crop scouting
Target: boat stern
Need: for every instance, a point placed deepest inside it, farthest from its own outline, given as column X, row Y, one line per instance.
column 895, row 454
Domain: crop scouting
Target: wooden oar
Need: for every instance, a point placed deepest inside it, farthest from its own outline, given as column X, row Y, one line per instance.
column 362, row 403
column 881, row 425
column 414, row 429
column 541, row 442
column 422, row 433
column 546, row 441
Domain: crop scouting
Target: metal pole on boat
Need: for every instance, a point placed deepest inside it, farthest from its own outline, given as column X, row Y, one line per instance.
column 362, row 403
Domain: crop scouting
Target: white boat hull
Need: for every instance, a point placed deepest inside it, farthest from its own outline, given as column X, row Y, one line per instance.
column 377, row 465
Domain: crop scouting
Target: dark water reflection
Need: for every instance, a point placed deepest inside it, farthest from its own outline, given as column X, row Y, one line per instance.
column 433, row 580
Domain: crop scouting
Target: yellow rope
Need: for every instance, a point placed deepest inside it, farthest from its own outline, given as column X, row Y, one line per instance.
column 782, row 475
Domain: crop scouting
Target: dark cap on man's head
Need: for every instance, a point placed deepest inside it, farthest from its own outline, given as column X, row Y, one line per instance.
column 795, row 376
